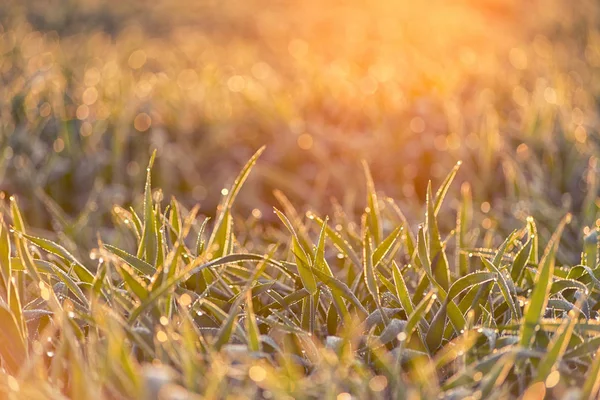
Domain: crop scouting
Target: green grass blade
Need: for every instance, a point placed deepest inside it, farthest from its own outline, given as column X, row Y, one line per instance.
column 254, row 343
column 80, row 270
column 533, row 236
column 340, row 243
column 386, row 247
column 148, row 247
column 557, row 347
column 443, row 189
column 5, row 264
column 192, row 269
column 536, row 306
column 302, row 260
column 468, row 281
column 368, row 271
column 508, row 295
column 435, row 333
column 200, row 244
column 520, row 262
column 223, row 222
column 319, row 256
column 419, row 313
column 436, row 247
column 142, row 266
column 463, row 224
column 373, row 213
column 133, row 282
column 402, row 290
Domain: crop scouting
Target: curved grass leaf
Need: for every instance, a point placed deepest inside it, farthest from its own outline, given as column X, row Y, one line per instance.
column 142, row 266
column 536, row 306
column 222, row 227
column 80, row 270
column 401, row 289
column 302, row 259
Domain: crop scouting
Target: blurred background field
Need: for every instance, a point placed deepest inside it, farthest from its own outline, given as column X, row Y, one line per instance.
column 89, row 88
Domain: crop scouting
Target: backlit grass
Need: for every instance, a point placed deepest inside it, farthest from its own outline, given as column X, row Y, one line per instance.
column 422, row 222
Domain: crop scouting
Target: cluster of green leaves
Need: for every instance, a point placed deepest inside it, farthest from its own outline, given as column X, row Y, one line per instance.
column 331, row 308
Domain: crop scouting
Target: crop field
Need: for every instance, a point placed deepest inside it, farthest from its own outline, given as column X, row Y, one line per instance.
column 334, row 199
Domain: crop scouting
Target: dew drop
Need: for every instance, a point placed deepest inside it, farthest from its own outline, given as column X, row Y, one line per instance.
column 50, row 353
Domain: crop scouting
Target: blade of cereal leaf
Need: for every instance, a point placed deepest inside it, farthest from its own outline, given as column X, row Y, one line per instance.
column 319, row 257
column 149, row 242
column 340, row 243
column 468, row 281
column 80, row 270
column 368, row 271
column 133, row 282
column 194, row 268
column 200, row 245
column 463, row 225
column 140, row 265
column 223, row 222
column 435, row 333
column 533, row 236
column 536, row 306
column 373, row 214
column 443, row 189
column 302, row 259
column 17, row 218
column 251, row 325
column 557, row 347
column 5, row 265
column 436, row 247
column 508, row 295
column 386, row 246
column 419, row 313
column 402, row 290
column 520, row 262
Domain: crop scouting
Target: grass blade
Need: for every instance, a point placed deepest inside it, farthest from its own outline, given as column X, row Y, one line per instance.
column 536, row 307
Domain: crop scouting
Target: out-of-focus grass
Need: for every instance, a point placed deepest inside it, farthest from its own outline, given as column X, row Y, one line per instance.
column 411, row 89
column 89, row 88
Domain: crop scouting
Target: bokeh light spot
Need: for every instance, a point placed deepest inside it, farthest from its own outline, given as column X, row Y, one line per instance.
column 142, row 122
column 305, row 141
